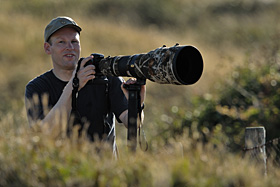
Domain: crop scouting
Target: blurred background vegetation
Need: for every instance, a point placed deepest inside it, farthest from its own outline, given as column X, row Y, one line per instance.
column 239, row 41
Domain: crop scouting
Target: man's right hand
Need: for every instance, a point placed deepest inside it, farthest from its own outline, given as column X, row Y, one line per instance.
column 85, row 73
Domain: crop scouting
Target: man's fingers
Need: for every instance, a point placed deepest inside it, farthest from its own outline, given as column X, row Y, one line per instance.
column 85, row 60
column 130, row 81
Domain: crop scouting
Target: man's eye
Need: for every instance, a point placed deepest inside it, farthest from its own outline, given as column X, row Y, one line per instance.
column 61, row 42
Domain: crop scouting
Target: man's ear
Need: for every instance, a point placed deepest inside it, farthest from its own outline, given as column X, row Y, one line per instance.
column 47, row 48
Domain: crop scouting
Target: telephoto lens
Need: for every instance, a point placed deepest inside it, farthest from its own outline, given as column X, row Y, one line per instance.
column 179, row 65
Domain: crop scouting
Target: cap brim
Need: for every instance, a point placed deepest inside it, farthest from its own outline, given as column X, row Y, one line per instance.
column 77, row 28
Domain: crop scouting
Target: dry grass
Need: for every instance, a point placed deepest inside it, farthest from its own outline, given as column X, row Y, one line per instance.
column 34, row 158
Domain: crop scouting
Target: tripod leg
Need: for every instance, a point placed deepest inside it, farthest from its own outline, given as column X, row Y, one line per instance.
column 132, row 119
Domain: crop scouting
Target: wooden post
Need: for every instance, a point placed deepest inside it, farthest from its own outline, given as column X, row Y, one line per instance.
column 255, row 143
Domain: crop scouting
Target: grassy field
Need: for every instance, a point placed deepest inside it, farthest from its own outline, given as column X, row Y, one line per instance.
column 225, row 32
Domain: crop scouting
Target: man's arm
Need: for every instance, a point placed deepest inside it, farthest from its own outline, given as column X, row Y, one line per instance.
column 60, row 113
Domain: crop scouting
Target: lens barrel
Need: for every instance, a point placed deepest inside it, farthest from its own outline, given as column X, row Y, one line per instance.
column 179, row 65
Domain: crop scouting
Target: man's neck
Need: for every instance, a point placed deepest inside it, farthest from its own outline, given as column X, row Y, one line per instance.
column 64, row 75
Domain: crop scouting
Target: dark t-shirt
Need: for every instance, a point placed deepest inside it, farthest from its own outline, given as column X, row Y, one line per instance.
column 91, row 102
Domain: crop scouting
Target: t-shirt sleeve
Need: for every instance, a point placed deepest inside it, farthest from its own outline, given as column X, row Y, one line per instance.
column 34, row 103
column 118, row 100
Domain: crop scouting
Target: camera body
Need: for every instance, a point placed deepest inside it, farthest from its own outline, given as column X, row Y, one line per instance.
column 95, row 61
column 99, row 77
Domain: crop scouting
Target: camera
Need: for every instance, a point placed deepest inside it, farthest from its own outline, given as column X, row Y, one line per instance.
column 179, row 65
column 99, row 77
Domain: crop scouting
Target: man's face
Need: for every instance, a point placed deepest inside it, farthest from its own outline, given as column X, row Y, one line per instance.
column 64, row 48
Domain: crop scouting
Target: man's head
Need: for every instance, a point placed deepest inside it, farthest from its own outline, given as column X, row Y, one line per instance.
column 59, row 23
column 62, row 42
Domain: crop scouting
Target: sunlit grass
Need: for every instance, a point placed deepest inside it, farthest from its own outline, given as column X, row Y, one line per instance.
column 32, row 157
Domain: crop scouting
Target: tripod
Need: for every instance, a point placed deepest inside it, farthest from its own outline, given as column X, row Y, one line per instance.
column 134, row 108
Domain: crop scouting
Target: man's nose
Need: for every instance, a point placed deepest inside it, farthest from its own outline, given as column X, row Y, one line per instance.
column 70, row 45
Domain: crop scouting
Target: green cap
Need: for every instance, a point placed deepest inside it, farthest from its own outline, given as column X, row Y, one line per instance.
column 58, row 23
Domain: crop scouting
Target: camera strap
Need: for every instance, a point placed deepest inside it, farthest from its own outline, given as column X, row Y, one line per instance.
column 75, row 84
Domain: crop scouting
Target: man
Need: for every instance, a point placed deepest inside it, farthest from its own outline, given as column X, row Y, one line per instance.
column 97, row 104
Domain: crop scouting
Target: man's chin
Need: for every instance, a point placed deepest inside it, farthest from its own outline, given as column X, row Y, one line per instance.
column 70, row 67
